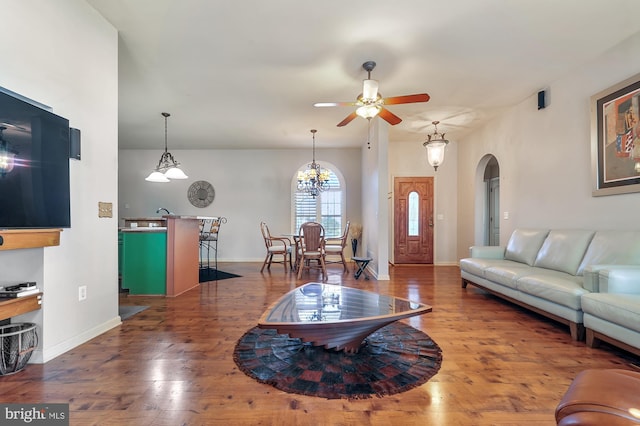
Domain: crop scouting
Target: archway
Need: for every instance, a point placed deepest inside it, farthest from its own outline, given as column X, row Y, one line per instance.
column 487, row 202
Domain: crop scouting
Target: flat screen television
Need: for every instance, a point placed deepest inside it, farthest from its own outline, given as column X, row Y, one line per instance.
column 34, row 165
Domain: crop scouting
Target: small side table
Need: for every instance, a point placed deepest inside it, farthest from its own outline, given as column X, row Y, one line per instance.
column 362, row 263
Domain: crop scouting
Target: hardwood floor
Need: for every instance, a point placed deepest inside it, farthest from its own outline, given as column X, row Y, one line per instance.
column 172, row 364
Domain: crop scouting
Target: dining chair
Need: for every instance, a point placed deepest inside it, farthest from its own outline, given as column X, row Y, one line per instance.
column 311, row 237
column 334, row 247
column 275, row 246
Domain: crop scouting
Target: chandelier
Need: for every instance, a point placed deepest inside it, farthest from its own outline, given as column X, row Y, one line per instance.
column 168, row 167
column 7, row 155
column 315, row 179
column 435, row 145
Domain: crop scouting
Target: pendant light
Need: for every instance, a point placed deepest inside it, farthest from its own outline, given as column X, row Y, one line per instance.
column 435, row 145
column 167, row 168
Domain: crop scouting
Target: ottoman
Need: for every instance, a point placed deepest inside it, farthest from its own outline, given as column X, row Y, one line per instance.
column 601, row 397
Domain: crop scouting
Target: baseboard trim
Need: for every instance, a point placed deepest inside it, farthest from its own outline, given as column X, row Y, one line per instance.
column 42, row 356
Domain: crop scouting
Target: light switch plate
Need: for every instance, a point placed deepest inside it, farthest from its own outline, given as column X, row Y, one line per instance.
column 105, row 209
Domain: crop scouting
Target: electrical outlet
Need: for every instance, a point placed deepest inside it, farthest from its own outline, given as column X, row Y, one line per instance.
column 82, row 292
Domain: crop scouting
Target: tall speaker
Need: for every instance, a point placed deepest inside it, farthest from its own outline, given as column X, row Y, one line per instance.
column 74, row 143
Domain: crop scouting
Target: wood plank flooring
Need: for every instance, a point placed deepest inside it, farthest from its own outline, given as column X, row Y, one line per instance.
column 172, row 364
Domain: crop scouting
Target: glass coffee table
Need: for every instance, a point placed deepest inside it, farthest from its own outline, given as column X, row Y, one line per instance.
column 334, row 316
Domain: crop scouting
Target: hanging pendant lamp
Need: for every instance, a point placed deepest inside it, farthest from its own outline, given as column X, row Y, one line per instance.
column 435, row 145
column 167, row 168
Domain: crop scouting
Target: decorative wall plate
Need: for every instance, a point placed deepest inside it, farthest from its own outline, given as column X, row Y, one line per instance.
column 201, row 193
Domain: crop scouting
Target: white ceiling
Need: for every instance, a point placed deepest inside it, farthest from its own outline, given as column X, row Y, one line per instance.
column 245, row 73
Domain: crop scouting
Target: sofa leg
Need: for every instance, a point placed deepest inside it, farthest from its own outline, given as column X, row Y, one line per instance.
column 577, row 331
column 592, row 340
column 464, row 283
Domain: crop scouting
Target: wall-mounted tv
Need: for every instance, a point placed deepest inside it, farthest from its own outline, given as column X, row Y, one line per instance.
column 34, row 165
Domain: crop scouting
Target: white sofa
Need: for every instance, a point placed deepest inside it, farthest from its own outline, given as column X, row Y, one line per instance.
column 613, row 313
column 551, row 271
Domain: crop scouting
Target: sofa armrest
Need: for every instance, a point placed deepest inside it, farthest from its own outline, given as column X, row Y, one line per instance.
column 487, row 252
column 591, row 277
column 620, row 279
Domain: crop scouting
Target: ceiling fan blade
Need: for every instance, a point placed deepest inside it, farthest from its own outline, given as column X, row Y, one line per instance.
column 348, row 120
column 389, row 117
column 333, row 104
column 407, row 99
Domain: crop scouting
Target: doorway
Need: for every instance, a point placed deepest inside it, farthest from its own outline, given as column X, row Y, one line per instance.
column 492, row 203
column 413, row 220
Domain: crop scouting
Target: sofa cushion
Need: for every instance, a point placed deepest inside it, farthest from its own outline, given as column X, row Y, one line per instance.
column 524, row 244
column 477, row 266
column 557, row 287
column 563, row 250
column 508, row 273
column 620, row 309
column 612, row 247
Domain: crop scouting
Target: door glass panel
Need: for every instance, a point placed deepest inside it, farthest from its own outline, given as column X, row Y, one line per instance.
column 414, row 214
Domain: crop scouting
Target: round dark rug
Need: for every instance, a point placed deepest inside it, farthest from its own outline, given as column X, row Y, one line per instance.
column 393, row 359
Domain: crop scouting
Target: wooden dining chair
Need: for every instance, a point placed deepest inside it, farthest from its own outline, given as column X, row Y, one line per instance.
column 275, row 246
column 335, row 246
column 311, row 237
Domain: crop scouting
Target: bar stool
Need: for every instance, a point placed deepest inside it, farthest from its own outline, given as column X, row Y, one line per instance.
column 208, row 239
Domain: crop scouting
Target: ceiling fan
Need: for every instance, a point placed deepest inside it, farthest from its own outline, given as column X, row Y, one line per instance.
column 370, row 103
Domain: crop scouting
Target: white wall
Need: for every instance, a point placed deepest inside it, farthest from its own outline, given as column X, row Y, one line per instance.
column 545, row 157
column 64, row 54
column 375, row 224
column 251, row 186
column 409, row 159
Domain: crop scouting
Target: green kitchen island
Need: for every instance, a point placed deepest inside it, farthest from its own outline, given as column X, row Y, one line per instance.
column 160, row 260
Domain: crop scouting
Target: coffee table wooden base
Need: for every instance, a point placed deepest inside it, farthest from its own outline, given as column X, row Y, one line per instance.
column 347, row 336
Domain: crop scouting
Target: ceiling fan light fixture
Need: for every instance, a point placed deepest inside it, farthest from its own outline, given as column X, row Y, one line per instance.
column 370, row 103
column 435, row 146
column 368, row 111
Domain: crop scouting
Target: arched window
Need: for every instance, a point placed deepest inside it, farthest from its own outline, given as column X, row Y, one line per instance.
column 327, row 208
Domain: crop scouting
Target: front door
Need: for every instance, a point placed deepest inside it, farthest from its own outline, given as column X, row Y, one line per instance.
column 413, row 223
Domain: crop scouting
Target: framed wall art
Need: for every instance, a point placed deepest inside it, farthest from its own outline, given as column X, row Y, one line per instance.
column 615, row 138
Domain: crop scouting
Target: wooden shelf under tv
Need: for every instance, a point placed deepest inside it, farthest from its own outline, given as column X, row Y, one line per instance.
column 20, row 305
column 13, row 239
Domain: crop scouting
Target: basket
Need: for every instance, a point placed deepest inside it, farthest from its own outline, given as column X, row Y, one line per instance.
column 18, row 342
